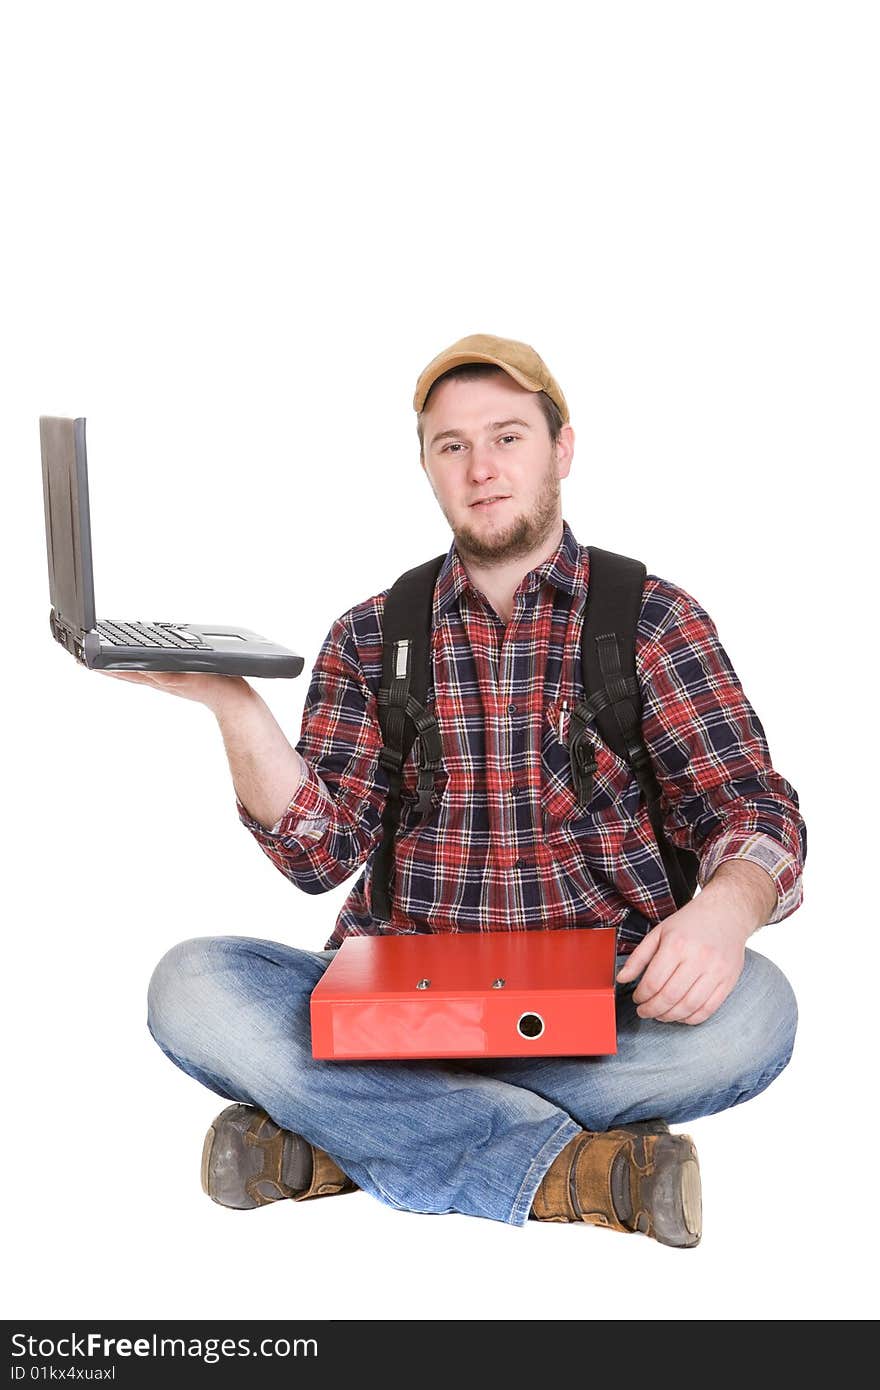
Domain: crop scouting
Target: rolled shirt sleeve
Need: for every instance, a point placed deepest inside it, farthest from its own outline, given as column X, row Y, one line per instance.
column 303, row 821
column 780, row 864
column 720, row 794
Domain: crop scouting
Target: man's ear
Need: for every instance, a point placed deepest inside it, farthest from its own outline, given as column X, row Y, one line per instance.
column 565, row 450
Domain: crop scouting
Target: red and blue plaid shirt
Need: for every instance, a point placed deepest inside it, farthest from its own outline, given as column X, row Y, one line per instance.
column 505, row 845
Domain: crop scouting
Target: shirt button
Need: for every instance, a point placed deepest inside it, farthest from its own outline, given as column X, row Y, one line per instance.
column 512, row 709
column 520, row 864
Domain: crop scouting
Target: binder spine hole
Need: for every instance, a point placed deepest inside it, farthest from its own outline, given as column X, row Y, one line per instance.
column 530, row 1026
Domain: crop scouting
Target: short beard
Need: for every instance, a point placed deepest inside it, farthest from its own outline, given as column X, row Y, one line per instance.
column 524, row 534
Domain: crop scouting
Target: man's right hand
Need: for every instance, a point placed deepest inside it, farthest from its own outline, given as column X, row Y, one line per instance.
column 205, row 687
column 265, row 769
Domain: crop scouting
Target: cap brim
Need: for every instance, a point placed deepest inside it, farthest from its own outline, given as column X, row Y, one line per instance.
column 459, row 359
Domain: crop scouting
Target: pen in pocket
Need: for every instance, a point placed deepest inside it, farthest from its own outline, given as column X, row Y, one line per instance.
column 562, row 709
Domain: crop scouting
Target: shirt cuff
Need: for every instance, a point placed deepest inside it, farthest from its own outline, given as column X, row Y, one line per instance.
column 768, row 854
column 305, row 820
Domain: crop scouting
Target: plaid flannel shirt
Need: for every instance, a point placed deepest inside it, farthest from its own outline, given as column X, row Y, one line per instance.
column 505, row 845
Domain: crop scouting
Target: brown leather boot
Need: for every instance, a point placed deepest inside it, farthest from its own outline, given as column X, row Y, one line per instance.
column 627, row 1181
column 248, row 1161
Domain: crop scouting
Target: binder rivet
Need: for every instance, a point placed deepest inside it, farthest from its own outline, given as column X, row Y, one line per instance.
column 498, row 984
column 423, row 984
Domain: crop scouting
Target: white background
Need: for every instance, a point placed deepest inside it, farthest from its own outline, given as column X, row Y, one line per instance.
column 232, row 237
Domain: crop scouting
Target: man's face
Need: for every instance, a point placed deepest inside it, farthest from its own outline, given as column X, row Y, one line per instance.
column 493, row 469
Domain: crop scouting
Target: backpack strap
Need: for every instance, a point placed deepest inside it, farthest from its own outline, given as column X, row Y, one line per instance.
column 613, row 699
column 406, row 672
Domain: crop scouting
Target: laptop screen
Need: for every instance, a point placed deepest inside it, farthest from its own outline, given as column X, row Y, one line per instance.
column 68, row 531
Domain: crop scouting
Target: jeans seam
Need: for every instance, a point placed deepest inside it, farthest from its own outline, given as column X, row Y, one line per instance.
column 763, row 1080
column 549, row 1150
column 393, row 1202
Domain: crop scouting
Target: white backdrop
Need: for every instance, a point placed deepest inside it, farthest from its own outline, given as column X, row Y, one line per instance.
column 233, row 236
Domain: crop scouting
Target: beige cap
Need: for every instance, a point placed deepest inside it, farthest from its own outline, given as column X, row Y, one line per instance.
column 517, row 359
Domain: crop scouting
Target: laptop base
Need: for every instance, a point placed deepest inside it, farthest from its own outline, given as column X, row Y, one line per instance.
column 163, row 646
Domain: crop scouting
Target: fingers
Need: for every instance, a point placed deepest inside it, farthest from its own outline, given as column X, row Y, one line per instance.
column 661, row 989
column 667, row 958
column 678, row 1002
column 139, row 676
column 207, row 688
column 687, row 972
column 177, row 682
column 640, row 957
column 715, row 1000
column 686, row 1003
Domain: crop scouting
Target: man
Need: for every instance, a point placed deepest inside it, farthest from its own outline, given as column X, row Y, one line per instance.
column 704, row 1022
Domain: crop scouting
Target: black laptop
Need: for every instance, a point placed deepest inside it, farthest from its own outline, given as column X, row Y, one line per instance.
column 111, row 644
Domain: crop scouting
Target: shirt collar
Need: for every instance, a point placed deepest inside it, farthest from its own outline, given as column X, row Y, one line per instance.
column 566, row 569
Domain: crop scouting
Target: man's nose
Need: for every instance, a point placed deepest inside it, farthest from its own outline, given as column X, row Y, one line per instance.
column 483, row 463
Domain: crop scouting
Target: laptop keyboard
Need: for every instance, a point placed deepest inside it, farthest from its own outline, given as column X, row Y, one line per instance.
column 113, row 634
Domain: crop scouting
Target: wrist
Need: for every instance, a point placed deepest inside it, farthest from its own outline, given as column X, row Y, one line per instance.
column 231, row 697
column 744, row 892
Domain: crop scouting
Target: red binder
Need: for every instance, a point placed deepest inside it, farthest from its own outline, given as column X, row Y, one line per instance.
column 475, row 994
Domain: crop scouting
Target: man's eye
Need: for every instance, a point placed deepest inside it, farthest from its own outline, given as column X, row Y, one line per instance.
column 456, row 445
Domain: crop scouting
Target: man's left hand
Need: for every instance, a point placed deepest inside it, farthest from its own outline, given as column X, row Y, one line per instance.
column 691, row 962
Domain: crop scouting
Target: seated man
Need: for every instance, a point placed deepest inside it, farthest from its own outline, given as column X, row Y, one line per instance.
column 704, row 1022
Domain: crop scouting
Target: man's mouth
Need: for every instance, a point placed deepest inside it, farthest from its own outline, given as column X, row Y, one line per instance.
column 488, row 501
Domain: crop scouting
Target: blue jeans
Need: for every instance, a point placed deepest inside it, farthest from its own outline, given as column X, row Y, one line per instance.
column 472, row 1136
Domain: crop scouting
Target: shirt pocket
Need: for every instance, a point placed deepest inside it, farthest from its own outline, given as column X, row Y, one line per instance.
column 614, row 793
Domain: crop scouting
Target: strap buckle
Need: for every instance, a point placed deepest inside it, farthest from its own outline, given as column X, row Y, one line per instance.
column 390, row 759
column 638, row 755
column 583, row 766
column 422, row 801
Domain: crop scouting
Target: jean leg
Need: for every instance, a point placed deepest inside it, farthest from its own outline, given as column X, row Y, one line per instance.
column 233, row 1012
column 678, row 1071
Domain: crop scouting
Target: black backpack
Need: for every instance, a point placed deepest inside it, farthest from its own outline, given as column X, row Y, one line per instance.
column 613, row 700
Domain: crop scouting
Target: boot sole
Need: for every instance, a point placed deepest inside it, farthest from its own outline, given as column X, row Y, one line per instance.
column 231, row 1166
column 245, row 1204
column 692, row 1198
column 674, row 1193
column 207, row 1150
